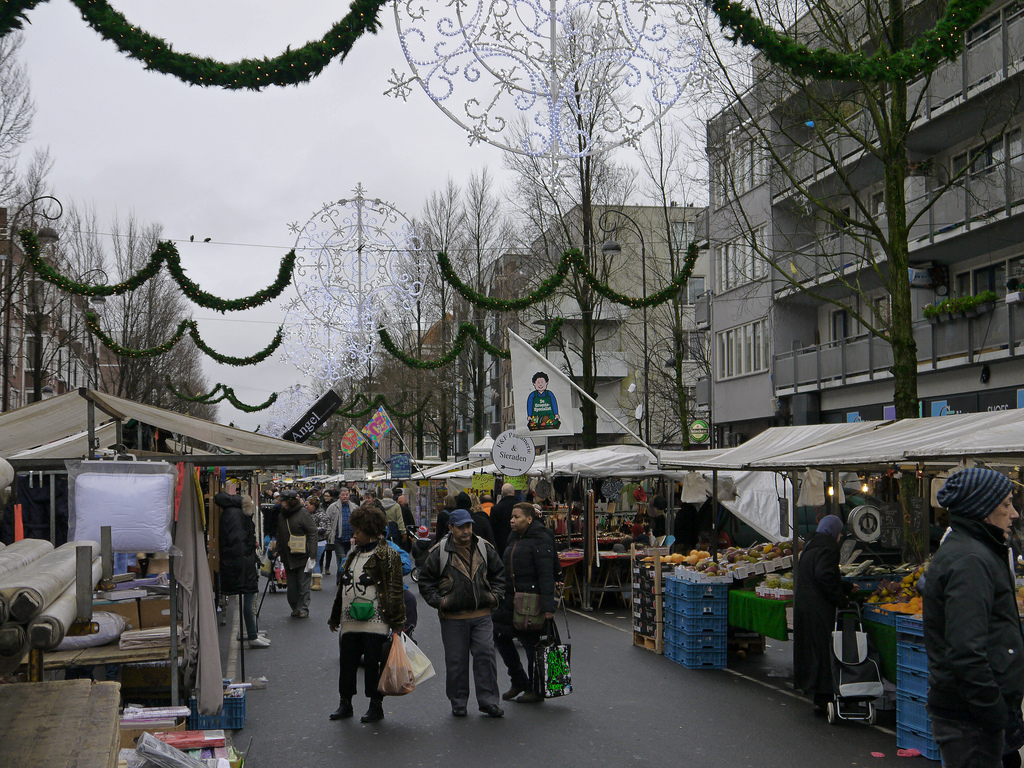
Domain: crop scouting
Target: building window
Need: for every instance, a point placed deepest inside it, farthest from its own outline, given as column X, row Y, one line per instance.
column 430, row 448
column 741, row 260
column 694, row 289
column 683, row 233
column 840, row 325
column 742, row 350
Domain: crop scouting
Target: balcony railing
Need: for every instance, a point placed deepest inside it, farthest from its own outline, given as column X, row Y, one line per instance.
column 960, row 341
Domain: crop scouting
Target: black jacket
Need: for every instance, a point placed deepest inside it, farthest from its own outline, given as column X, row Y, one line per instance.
column 237, row 538
column 531, row 565
column 501, row 521
column 300, row 523
column 819, row 592
column 972, row 629
column 482, row 527
column 452, row 587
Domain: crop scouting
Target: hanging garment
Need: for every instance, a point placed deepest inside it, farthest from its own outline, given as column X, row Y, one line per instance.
column 812, row 489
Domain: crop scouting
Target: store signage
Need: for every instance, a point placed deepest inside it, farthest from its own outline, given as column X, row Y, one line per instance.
column 513, row 455
column 315, row 416
column 354, row 475
column 483, row 482
column 700, row 430
column 401, row 466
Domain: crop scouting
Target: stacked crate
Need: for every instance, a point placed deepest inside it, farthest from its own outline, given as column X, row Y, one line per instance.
column 646, row 604
column 696, row 623
column 913, row 726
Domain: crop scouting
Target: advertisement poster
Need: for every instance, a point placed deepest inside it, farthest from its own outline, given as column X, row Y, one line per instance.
column 541, row 393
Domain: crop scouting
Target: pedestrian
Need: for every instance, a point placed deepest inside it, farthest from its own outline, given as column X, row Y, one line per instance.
column 820, row 591
column 501, row 517
column 238, row 571
column 393, row 512
column 463, row 579
column 368, row 607
column 972, row 628
column 342, row 510
column 531, row 566
column 408, row 523
column 322, row 522
column 481, row 523
column 658, row 508
column 441, row 524
column 298, row 556
column 330, row 501
column 487, row 504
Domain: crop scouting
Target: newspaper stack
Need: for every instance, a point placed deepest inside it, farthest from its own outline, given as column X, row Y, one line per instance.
column 145, row 639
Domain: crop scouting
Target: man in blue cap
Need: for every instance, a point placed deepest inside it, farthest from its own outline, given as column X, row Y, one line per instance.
column 463, row 578
column 971, row 626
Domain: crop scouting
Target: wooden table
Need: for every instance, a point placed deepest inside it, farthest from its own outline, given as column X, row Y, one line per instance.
column 104, row 654
column 759, row 614
column 60, row 724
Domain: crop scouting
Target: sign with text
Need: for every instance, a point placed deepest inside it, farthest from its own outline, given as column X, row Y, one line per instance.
column 513, row 455
column 401, row 466
column 315, row 416
column 483, row 482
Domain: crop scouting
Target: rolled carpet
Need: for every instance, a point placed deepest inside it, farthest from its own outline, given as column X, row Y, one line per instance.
column 30, row 590
column 47, row 630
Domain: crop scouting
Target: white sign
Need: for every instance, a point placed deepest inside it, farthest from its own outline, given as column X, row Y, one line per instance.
column 513, row 455
column 541, row 394
column 354, row 475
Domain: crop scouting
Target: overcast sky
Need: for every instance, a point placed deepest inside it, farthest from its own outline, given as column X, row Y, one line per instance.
column 237, row 167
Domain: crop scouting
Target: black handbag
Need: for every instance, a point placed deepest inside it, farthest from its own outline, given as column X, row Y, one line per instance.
column 550, row 674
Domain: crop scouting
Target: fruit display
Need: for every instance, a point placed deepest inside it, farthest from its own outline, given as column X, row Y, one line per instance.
column 776, row 586
column 899, row 594
column 732, row 563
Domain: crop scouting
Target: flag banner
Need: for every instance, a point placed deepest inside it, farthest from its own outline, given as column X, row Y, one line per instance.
column 541, row 393
column 351, row 440
column 378, row 426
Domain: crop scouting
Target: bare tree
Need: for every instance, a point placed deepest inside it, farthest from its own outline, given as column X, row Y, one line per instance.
column 16, row 112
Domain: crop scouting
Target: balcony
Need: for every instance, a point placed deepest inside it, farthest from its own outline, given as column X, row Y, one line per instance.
column 995, row 335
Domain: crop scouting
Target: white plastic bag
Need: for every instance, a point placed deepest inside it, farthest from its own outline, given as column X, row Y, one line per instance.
column 422, row 669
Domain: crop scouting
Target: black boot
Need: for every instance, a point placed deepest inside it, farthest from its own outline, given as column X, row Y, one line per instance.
column 374, row 713
column 344, row 710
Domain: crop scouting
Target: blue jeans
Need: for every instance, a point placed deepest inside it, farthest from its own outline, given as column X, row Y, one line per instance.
column 964, row 744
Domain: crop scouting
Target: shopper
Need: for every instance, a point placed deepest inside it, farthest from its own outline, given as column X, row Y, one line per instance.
column 972, row 628
column 441, row 524
column 531, row 565
column 238, row 572
column 339, row 514
column 368, row 607
column 501, row 517
column 481, row 523
column 463, row 579
column 393, row 512
column 322, row 522
column 819, row 592
column 330, row 497
column 294, row 524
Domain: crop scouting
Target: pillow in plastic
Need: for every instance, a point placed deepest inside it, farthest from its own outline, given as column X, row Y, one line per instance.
column 111, row 627
column 137, row 507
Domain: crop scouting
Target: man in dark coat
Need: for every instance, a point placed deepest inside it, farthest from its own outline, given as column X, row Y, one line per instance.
column 293, row 524
column 971, row 626
column 501, row 517
column 481, row 523
column 238, row 572
column 819, row 592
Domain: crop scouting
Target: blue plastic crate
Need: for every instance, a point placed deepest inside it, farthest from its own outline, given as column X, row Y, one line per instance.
column 908, row 738
column 911, row 682
column 705, row 659
column 693, row 590
column 912, row 656
column 231, row 717
column 910, row 625
column 699, row 608
column 705, row 641
column 912, row 713
column 673, row 587
column 674, row 652
column 877, row 615
column 673, row 634
column 694, row 624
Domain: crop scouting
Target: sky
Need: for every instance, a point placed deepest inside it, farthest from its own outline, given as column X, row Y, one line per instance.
column 236, row 167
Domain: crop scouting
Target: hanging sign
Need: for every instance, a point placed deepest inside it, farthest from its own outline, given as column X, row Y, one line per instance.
column 699, row 431
column 541, row 394
column 483, row 482
column 315, row 416
column 401, row 466
column 513, row 455
column 518, row 482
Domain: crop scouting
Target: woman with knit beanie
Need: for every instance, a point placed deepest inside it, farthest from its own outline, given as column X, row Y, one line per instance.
column 971, row 626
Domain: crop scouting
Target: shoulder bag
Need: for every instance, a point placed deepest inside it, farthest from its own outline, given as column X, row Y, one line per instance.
column 526, row 613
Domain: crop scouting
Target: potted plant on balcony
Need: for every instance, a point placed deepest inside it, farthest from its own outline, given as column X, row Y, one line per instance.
column 985, row 301
column 1013, row 291
column 933, row 313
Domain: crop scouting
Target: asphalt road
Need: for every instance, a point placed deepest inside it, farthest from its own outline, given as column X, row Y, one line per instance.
column 629, row 707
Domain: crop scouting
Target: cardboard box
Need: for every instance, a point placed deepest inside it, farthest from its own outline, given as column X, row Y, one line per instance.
column 129, row 609
column 129, row 733
column 155, row 612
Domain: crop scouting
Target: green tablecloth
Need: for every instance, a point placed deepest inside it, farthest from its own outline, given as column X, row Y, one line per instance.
column 883, row 637
column 758, row 614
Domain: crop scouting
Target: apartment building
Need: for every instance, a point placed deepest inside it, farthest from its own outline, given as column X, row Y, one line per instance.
column 782, row 356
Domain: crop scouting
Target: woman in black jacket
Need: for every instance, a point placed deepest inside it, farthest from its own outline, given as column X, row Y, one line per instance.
column 531, row 565
column 238, row 575
column 819, row 592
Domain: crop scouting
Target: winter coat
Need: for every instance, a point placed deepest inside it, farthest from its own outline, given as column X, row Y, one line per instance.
column 300, row 523
column 482, row 528
column 531, row 565
column 393, row 512
column 385, row 568
column 237, row 538
column 971, row 628
column 501, row 521
column 455, row 591
column 819, row 592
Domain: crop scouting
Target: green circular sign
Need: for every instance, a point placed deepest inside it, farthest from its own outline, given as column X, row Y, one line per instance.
column 699, row 431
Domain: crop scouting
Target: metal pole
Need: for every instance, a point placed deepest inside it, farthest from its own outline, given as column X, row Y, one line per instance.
column 647, row 356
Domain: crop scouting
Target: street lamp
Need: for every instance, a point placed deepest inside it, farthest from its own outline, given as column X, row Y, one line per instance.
column 9, row 287
column 611, row 248
column 97, row 302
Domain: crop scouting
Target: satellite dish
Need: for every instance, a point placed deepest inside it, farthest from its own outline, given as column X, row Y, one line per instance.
column 866, row 523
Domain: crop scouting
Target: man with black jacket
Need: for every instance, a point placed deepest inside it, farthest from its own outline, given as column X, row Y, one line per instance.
column 464, row 579
column 971, row 626
column 501, row 517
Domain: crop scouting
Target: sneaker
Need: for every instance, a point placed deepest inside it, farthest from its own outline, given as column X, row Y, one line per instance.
column 303, row 614
column 493, row 711
column 259, row 642
column 530, row 698
column 296, row 613
column 511, row 693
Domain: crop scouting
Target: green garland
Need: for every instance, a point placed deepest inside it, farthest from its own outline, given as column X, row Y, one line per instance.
column 572, row 258
column 942, row 42
column 165, row 253
column 372, row 405
column 289, row 68
column 466, row 331
column 93, row 324
column 12, row 14
column 226, row 392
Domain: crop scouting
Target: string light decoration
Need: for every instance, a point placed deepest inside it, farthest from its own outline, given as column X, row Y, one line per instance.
column 292, row 403
column 92, row 322
column 361, row 270
column 294, row 66
column 226, row 393
column 928, row 50
column 531, row 77
column 165, row 253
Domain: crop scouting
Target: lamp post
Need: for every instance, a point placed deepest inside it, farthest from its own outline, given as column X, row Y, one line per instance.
column 9, row 289
column 612, row 247
column 97, row 302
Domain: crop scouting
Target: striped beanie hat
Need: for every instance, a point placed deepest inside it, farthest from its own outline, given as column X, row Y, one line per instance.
column 974, row 493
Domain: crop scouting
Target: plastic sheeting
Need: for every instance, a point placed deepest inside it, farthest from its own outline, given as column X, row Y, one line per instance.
column 29, row 591
column 47, row 630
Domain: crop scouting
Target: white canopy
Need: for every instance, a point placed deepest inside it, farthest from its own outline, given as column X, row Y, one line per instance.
column 482, row 449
